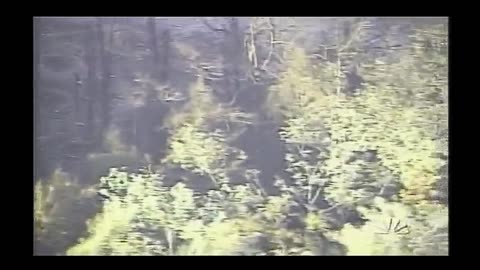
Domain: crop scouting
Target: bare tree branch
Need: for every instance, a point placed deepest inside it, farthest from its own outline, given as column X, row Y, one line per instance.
column 252, row 55
column 209, row 78
column 272, row 38
column 314, row 199
column 354, row 35
column 271, row 74
column 233, row 99
column 319, row 56
column 339, row 70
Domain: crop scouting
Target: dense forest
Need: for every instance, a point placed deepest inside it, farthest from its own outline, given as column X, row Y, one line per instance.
column 241, row 136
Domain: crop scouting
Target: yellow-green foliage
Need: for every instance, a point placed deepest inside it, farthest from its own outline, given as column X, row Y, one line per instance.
column 144, row 206
column 99, row 164
column 223, row 223
column 43, row 204
column 406, row 107
column 401, row 115
column 374, row 237
column 298, row 90
column 316, row 222
column 302, row 100
column 142, row 217
column 115, row 231
column 311, row 113
column 349, row 179
column 375, row 120
column 198, row 141
column 430, row 236
column 396, row 115
column 425, row 234
column 202, row 106
column 173, row 212
column 220, row 237
column 276, row 207
column 59, row 204
column 195, row 150
column 104, row 230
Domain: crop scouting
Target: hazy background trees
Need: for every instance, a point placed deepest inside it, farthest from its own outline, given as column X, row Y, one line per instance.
column 247, row 136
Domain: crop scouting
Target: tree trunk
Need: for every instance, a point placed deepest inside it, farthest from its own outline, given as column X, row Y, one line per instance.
column 232, row 54
column 36, row 78
column 152, row 30
column 166, row 40
column 36, row 52
column 237, row 52
column 105, row 95
column 76, row 97
column 91, row 88
column 36, row 70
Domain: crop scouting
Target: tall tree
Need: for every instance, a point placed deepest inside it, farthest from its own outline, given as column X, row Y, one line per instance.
column 165, row 59
column 36, row 91
column 105, row 42
column 160, row 52
column 92, row 81
column 232, row 52
column 153, row 44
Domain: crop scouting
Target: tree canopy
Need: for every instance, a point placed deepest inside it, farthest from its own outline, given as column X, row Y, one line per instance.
column 360, row 117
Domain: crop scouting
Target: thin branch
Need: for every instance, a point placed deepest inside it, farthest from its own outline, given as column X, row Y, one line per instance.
column 339, row 82
column 210, row 78
column 328, row 47
column 272, row 37
column 233, row 99
column 234, row 136
column 353, row 37
column 258, row 187
column 319, row 56
column 252, row 55
column 332, row 208
column 206, row 66
column 281, row 42
column 174, row 98
column 314, row 199
column 262, row 23
column 309, row 194
column 271, row 74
